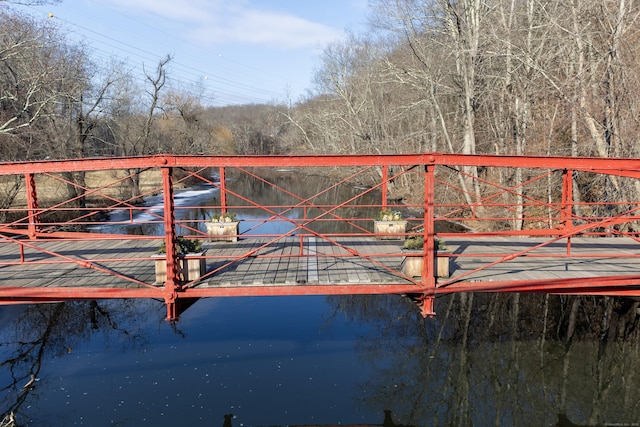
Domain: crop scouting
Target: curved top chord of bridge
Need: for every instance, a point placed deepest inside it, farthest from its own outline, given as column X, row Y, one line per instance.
column 520, row 237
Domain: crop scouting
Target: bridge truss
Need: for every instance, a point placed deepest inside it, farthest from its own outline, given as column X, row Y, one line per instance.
column 493, row 212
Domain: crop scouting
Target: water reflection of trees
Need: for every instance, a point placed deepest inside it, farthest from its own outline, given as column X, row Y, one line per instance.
column 253, row 198
column 304, row 186
column 44, row 331
column 501, row 359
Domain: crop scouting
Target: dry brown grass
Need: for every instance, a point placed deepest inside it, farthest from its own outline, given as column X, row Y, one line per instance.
column 51, row 190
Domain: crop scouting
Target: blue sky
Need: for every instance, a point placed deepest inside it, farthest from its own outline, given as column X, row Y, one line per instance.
column 241, row 51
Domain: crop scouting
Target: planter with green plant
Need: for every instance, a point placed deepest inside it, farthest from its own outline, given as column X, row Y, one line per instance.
column 414, row 260
column 389, row 225
column 191, row 264
column 224, row 226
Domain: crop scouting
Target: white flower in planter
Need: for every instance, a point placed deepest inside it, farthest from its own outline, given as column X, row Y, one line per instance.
column 224, row 217
column 389, row 215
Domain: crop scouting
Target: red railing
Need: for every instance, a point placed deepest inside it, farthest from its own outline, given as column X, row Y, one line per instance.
column 482, row 196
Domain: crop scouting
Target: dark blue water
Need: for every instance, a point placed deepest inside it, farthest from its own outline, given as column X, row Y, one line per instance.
column 487, row 360
column 266, row 360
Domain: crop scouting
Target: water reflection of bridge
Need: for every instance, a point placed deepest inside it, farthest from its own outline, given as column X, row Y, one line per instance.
column 534, row 240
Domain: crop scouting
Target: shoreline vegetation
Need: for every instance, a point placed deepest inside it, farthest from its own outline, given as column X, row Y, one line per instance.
column 52, row 191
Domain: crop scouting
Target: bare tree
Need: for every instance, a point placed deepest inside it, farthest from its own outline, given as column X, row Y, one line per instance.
column 445, row 39
column 134, row 136
column 30, row 56
column 46, row 105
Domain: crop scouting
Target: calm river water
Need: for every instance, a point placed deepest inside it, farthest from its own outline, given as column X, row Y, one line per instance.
column 485, row 360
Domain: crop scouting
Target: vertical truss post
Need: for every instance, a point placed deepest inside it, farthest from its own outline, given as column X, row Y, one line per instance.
column 172, row 311
column 171, row 286
column 32, row 205
column 223, row 191
column 429, row 272
column 567, row 205
column 385, row 179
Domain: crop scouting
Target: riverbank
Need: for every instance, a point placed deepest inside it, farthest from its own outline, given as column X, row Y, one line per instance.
column 51, row 191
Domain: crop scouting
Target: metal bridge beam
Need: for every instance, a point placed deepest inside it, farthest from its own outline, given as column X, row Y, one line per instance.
column 172, row 285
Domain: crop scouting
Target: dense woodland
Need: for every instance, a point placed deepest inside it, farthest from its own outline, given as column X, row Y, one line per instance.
column 545, row 77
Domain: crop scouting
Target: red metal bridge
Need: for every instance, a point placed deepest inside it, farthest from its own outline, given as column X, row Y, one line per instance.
column 520, row 226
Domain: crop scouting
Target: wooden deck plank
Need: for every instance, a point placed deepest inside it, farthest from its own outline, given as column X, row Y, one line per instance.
column 540, row 268
column 372, row 250
column 297, row 268
column 345, row 269
column 334, row 266
column 260, row 274
column 334, row 272
column 240, row 267
column 355, row 265
column 368, row 273
column 271, row 267
column 289, row 249
column 325, row 262
column 291, row 277
column 241, row 272
column 260, row 266
column 312, row 260
column 375, row 274
column 223, row 253
column 364, row 265
column 120, row 249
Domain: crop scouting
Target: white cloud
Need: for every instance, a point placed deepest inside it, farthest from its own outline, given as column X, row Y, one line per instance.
column 228, row 21
column 268, row 28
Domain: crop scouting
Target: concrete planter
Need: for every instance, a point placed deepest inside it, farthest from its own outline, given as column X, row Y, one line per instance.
column 223, row 230
column 414, row 263
column 390, row 230
column 190, row 267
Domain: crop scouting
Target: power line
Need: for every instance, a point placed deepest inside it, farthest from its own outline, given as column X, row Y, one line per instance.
column 224, row 89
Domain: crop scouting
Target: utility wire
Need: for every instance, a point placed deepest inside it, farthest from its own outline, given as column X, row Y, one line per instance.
column 225, row 90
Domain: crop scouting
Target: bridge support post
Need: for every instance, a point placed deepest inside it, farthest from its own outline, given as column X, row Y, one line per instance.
column 428, row 272
column 223, row 191
column 171, row 285
column 32, row 205
column 172, row 311
column 385, row 185
column 425, row 304
column 567, row 205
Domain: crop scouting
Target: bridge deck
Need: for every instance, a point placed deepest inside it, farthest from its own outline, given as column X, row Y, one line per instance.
column 322, row 263
column 590, row 257
column 279, row 263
